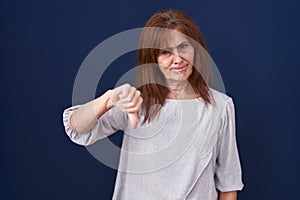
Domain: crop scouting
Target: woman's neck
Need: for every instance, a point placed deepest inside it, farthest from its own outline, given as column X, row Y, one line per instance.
column 180, row 90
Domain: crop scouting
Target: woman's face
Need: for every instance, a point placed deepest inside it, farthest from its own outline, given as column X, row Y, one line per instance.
column 176, row 60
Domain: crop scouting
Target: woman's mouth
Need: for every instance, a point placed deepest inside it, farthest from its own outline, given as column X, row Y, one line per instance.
column 178, row 69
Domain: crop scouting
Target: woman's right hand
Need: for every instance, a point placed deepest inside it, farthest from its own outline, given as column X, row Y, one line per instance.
column 128, row 99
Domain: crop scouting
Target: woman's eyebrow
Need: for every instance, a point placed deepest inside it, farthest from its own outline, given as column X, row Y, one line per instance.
column 171, row 48
column 167, row 49
column 184, row 42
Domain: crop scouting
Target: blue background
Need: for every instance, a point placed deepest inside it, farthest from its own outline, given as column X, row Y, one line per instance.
column 255, row 45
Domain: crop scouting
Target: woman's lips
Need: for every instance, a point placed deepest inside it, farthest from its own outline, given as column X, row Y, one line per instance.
column 178, row 69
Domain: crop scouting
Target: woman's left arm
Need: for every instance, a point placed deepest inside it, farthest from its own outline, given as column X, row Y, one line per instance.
column 228, row 174
column 228, row 195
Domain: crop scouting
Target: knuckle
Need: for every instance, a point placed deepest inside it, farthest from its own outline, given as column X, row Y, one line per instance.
column 126, row 85
column 140, row 100
column 132, row 87
column 130, row 104
column 135, row 109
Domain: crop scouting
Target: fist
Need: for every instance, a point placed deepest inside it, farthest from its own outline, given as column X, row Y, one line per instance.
column 128, row 100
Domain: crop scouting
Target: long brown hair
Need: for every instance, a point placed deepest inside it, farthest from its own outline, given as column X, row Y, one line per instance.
column 150, row 80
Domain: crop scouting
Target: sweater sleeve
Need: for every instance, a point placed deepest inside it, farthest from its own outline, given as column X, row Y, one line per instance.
column 228, row 176
column 110, row 122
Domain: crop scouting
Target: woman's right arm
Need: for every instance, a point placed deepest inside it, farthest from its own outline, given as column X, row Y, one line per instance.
column 85, row 117
column 87, row 123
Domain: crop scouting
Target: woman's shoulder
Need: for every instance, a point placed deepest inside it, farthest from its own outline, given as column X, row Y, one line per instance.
column 219, row 99
column 219, row 95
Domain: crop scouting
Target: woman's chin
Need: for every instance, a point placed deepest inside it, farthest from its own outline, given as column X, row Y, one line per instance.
column 178, row 78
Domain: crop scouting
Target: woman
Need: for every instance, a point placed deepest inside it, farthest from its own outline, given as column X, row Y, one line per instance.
column 179, row 134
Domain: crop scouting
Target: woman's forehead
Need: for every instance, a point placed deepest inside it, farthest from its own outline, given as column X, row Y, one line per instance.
column 172, row 39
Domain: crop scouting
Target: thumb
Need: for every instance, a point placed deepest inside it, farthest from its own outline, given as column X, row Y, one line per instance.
column 133, row 120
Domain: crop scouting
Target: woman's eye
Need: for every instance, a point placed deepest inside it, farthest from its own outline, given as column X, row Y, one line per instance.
column 183, row 46
column 165, row 52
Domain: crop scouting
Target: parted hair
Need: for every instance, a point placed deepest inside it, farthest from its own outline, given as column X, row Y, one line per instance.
column 150, row 80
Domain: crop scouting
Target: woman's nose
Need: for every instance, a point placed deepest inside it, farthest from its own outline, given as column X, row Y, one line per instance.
column 177, row 58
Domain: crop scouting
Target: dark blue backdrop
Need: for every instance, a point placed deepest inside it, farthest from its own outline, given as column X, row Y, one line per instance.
column 254, row 43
